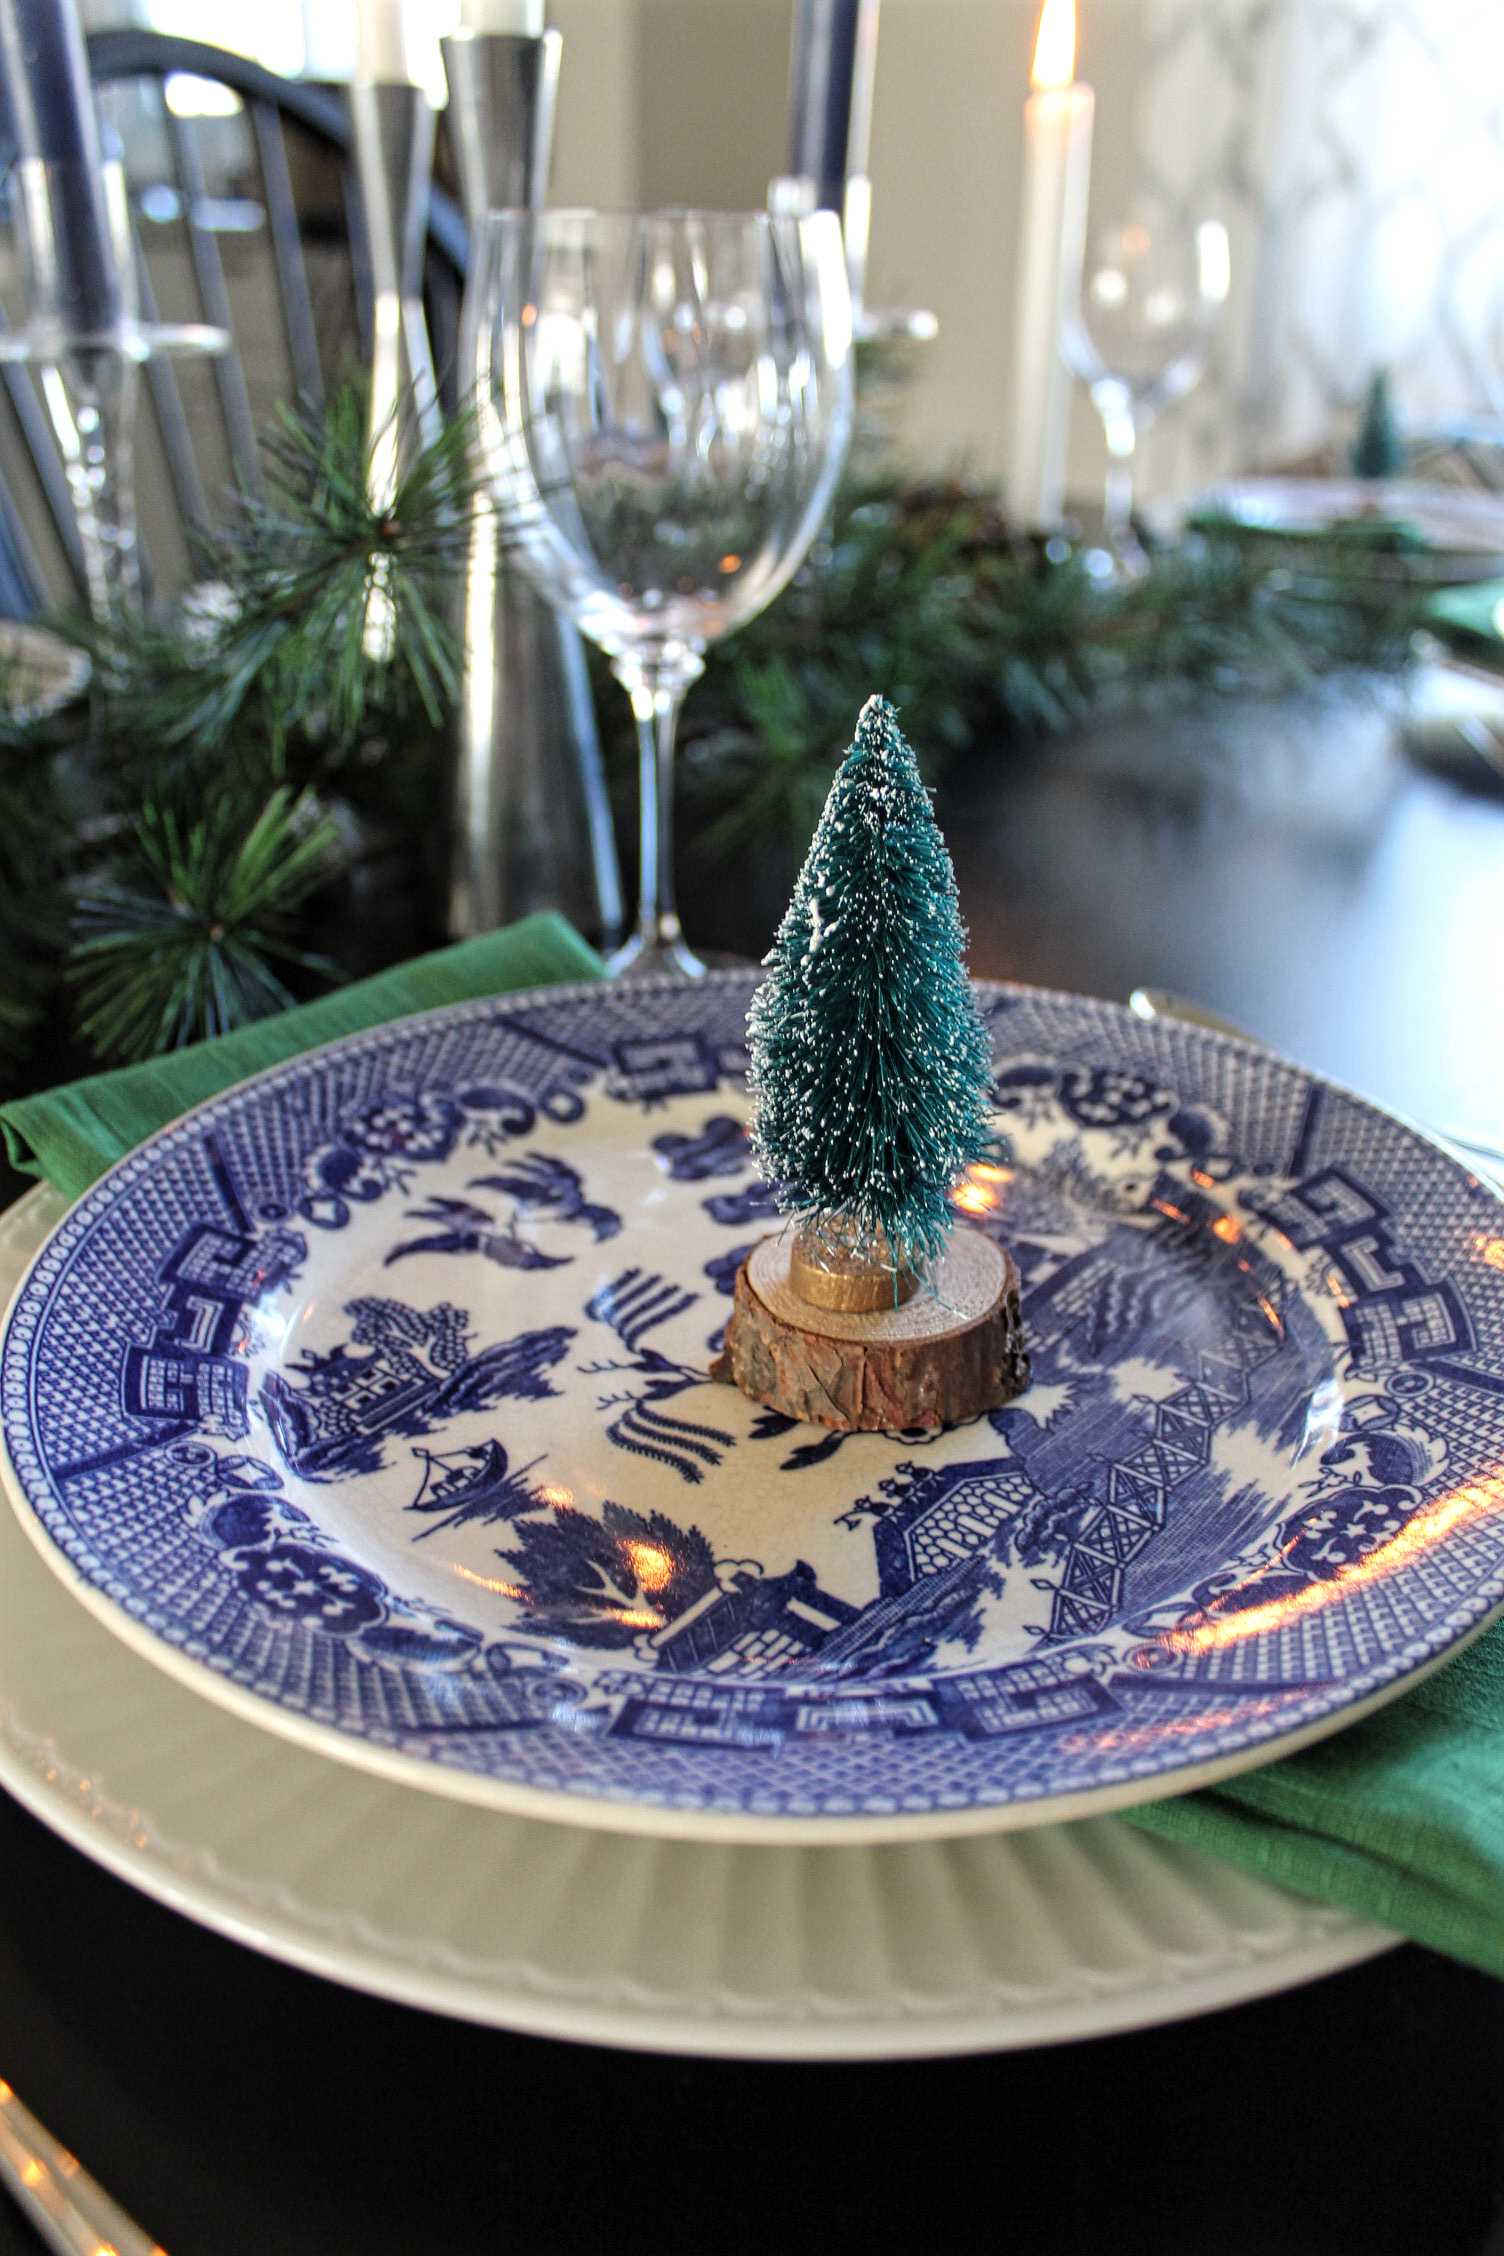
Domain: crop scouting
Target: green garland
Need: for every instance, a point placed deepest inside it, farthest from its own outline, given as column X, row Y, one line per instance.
column 188, row 849
column 922, row 590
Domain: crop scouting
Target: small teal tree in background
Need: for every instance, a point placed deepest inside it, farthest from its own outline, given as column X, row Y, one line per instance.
column 1378, row 449
column 870, row 1065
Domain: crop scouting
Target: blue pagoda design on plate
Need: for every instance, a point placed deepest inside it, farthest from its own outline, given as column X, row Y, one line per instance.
column 785, row 1649
column 331, row 1415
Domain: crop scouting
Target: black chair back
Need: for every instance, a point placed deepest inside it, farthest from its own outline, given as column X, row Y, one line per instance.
column 247, row 214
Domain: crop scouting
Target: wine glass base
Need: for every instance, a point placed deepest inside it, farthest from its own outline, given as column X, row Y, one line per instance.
column 643, row 958
column 1118, row 560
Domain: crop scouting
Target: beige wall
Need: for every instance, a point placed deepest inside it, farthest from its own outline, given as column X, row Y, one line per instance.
column 1354, row 147
column 595, row 139
column 686, row 101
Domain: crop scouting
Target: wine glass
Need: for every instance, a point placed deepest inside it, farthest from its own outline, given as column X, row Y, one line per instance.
column 1138, row 335
column 663, row 402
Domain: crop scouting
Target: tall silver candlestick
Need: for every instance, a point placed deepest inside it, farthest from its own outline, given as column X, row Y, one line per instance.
column 531, row 817
column 394, row 134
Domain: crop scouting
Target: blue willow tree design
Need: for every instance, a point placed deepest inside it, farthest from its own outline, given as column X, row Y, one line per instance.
column 870, row 1064
column 608, row 1581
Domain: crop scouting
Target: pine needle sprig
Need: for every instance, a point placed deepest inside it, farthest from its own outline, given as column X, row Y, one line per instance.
column 183, row 944
column 284, row 652
column 923, row 588
column 316, row 549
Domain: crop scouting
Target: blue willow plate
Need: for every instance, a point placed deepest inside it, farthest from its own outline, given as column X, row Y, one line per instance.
column 372, row 1399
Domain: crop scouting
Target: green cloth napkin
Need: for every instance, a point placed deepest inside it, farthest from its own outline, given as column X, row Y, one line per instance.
column 71, row 1135
column 1470, row 620
column 1401, row 1817
column 1345, row 536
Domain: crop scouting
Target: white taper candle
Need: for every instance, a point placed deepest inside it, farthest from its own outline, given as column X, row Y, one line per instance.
column 522, row 19
column 381, row 57
column 1051, row 240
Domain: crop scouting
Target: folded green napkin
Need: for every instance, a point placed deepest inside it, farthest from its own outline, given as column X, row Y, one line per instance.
column 1401, row 1817
column 1347, row 536
column 72, row 1134
column 1470, row 620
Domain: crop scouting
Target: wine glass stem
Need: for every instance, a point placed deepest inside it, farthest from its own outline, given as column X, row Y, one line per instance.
column 1122, row 442
column 657, row 693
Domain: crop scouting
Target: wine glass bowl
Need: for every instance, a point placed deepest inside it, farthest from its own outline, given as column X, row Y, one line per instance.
column 1138, row 336
column 663, row 403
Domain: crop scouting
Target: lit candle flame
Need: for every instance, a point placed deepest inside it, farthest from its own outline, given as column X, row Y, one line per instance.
column 1055, row 47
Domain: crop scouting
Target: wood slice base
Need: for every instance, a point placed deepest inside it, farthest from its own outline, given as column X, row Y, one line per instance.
column 953, row 1351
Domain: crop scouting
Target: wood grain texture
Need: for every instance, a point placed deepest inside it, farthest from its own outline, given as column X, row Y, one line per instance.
column 874, row 1385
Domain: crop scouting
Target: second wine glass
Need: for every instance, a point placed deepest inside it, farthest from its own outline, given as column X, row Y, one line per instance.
column 1152, row 292
column 663, row 401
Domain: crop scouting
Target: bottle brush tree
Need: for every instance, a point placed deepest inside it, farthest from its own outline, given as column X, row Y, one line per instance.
column 870, row 1064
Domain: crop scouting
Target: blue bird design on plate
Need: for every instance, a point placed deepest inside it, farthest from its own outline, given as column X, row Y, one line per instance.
column 541, row 1184
column 465, row 1228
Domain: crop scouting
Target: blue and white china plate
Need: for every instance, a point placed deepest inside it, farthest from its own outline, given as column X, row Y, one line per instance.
column 372, row 1400
column 876, row 1950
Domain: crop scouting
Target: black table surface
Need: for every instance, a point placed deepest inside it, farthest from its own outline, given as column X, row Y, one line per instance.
column 1292, row 868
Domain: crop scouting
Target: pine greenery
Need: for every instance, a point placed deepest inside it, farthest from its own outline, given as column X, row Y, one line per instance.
column 924, row 588
column 183, row 944
column 159, row 878
column 276, row 647
column 179, row 854
column 870, row 1066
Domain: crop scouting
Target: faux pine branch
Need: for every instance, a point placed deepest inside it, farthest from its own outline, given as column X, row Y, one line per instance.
column 187, row 938
column 236, row 722
column 272, row 652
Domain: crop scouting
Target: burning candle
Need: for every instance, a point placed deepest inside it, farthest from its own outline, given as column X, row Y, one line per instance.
column 1051, row 240
column 830, row 94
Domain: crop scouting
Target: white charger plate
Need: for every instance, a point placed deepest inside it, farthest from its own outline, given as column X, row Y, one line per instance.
column 779, row 1953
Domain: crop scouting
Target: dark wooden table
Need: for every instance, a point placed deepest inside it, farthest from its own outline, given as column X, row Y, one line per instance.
column 1292, row 868
column 1292, row 865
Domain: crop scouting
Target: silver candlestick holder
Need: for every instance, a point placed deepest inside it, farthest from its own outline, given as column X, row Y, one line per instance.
column 81, row 327
column 531, row 819
column 394, row 134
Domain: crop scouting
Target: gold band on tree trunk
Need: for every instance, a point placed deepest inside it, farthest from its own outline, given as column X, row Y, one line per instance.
column 830, row 1269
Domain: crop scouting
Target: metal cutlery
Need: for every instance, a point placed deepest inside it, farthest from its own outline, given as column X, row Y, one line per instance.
column 71, row 2211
